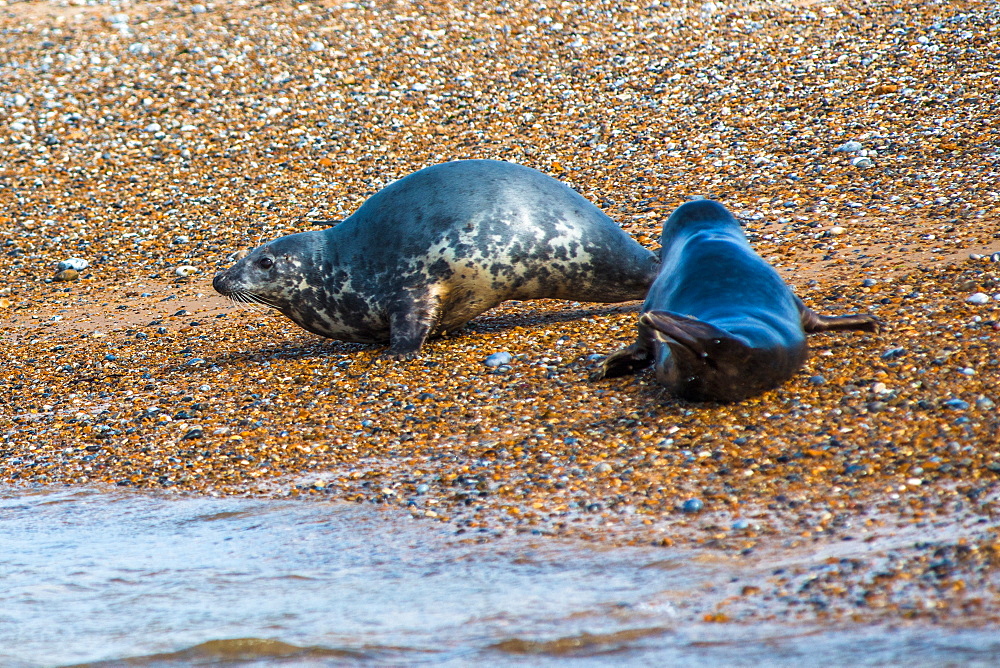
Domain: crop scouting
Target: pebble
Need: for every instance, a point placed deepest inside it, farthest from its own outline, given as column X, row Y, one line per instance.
column 869, row 282
column 693, row 505
column 848, row 147
column 985, row 403
column 978, row 298
column 995, row 257
column 498, row 359
column 741, row 524
column 956, row 404
column 316, row 46
column 192, row 434
column 817, row 380
column 603, row 467
column 185, row 270
column 862, row 162
column 893, row 353
column 836, row 230
column 79, row 264
column 423, row 488
column 67, row 275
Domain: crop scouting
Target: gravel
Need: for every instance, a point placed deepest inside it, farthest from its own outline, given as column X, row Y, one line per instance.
column 261, row 135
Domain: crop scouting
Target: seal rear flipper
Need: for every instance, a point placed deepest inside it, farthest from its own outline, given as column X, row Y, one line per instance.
column 813, row 322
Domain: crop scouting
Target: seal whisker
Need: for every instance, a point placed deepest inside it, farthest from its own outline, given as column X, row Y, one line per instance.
column 244, row 302
column 257, row 299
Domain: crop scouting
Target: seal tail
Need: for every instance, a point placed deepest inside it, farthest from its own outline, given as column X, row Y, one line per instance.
column 813, row 322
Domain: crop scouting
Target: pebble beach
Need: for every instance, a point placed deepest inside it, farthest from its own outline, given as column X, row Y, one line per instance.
column 142, row 144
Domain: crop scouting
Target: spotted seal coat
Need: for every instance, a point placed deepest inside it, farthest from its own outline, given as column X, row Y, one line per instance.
column 438, row 247
column 719, row 323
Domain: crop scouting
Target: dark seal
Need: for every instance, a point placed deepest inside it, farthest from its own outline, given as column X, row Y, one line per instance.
column 435, row 249
column 719, row 322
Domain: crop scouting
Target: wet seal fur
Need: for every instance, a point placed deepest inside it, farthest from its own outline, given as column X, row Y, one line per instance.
column 433, row 250
column 719, row 323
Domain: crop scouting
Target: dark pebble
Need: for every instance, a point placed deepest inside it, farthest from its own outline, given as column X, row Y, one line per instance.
column 692, row 506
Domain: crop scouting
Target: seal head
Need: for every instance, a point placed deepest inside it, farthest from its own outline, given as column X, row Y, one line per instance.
column 719, row 323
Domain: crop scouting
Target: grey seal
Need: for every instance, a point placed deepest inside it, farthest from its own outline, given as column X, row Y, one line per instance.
column 433, row 250
column 719, row 323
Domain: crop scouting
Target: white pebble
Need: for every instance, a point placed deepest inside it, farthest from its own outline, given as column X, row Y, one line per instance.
column 418, row 87
column 153, row 127
column 862, row 162
column 978, row 298
column 217, row 69
column 198, row 9
column 76, row 263
column 20, row 100
column 17, row 126
column 498, row 359
column 316, row 46
column 848, row 147
column 186, row 270
column 835, row 231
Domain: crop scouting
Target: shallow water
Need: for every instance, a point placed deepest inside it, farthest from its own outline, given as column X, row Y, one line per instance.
column 128, row 579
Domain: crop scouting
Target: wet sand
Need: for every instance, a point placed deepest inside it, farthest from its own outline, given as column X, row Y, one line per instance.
column 148, row 136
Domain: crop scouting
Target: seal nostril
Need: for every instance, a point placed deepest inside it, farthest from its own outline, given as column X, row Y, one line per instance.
column 217, row 281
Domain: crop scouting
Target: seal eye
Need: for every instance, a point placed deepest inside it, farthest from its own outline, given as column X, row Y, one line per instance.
column 265, row 263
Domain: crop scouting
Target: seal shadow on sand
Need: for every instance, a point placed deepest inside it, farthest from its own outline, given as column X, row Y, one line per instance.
column 485, row 324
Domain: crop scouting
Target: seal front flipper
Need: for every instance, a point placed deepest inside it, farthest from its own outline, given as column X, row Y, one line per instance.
column 411, row 320
column 813, row 322
column 682, row 332
column 626, row 361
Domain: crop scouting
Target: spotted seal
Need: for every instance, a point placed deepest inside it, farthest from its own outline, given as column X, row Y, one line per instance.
column 719, row 322
column 433, row 250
